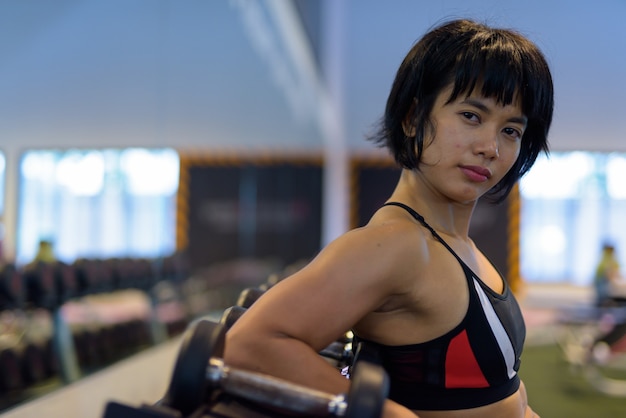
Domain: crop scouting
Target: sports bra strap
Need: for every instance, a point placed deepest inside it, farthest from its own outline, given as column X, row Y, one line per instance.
column 421, row 220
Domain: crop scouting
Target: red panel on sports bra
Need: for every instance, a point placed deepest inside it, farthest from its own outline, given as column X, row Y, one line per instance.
column 462, row 369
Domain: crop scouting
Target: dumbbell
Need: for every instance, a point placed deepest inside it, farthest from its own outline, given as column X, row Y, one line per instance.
column 39, row 286
column 248, row 296
column 11, row 288
column 10, row 363
column 199, row 371
column 87, row 349
column 272, row 280
column 33, row 363
column 231, row 315
column 341, row 353
column 65, row 281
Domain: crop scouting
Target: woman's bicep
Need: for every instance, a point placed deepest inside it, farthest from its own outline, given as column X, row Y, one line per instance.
column 324, row 299
column 348, row 279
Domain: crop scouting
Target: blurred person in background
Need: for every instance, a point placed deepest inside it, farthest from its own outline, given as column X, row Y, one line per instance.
column 609, row 284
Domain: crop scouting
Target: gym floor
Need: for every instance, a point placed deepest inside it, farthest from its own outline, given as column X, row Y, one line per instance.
column 555, row 387
column 541, row 305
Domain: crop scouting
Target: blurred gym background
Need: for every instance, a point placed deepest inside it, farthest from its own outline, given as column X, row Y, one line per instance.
column 157, row 157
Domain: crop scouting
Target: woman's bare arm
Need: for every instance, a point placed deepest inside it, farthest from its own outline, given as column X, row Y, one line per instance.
column 282, row 332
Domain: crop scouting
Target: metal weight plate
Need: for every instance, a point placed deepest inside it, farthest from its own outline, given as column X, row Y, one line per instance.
column 231, row 315
column 188, row 385
column 248, row 296
column 369, row 388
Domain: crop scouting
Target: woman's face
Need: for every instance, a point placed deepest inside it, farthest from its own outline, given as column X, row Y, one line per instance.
column 473, row 144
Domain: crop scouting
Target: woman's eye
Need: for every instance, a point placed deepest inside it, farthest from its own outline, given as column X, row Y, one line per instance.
column 513, row 132
column 470, row 116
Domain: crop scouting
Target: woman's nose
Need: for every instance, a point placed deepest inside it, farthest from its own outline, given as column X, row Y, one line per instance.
column 487, row 145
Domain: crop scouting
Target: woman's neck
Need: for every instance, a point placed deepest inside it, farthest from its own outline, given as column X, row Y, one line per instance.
column 445, row 216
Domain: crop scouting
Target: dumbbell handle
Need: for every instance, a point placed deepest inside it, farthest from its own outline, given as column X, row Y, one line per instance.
column 336, row 351
column 268, row 390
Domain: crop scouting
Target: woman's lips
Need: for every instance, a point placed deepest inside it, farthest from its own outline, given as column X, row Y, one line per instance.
column 476, row 173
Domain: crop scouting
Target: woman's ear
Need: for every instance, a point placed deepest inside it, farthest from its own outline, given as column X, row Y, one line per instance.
column 408, row 123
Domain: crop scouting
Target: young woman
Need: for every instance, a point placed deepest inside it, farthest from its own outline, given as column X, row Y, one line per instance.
column 468, row 113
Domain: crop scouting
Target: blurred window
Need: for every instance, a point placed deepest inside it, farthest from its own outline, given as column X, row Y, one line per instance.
column 572, row 202
column 98, row 203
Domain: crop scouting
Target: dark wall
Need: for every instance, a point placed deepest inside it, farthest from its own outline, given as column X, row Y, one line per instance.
column 253, row 209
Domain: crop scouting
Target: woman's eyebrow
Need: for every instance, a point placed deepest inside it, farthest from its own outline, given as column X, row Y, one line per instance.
column 483, row 107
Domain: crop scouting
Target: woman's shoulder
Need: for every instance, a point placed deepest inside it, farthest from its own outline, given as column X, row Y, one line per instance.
column 390, row 245
column 390, row 225
column 395, row 220
column 392, row 238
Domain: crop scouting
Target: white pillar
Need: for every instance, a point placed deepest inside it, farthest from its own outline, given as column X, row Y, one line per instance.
column 336, row 154
column 9, row 216
column 326, row 88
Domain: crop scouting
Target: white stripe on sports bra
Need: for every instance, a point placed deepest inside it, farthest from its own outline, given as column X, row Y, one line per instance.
column 506, row 347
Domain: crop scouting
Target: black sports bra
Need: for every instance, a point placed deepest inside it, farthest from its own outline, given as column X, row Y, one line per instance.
column 474, row 364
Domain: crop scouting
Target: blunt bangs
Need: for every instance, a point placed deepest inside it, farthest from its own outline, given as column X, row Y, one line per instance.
column 499, row 79
column 494, row 62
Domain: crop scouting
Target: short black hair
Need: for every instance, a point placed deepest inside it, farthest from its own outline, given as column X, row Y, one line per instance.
column 505, row 64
